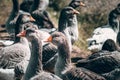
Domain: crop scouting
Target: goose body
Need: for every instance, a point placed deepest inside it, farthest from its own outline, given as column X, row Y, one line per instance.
column 102, row 64
column 63, row 67
column 12, row 55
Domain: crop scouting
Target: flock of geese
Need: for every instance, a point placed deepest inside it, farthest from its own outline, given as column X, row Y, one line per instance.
column 41, row 52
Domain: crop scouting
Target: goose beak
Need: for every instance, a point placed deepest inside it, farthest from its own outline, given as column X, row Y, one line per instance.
column 31, row 18
column 82, row 4
column 21, row 34
column 75, row 12
column 49, row 39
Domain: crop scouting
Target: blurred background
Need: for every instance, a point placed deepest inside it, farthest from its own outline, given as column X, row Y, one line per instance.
column 94, row 15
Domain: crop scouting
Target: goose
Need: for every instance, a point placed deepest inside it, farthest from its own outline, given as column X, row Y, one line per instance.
column 49, row 53
column 39, row 13
column 34, row 70
column 68, row 24
column 68, row 20
column 49, row 50
column 63, row 67
column 10, row 23
column 22, row 21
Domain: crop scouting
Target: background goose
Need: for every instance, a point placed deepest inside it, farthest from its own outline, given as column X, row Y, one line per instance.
column 10, row 23
column 20, row 23
column 68, row 21
column 34, row 68
column 68, row 24
column 49, row 50
column 39, row 13
column 63, row 66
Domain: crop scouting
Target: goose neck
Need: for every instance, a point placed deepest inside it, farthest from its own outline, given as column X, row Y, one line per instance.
column 64, row 53
column 35, row 63
column 37, row 53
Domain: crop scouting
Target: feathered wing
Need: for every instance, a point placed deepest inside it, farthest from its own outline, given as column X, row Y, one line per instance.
column 12, row 55
column 49, row 50
column 101, row 64
column 81, row 74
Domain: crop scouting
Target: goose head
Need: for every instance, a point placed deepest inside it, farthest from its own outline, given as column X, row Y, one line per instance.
column 69, row 12
column 76, row 3
column 31, row 33
column 57, row 38
column 25, row 17
column 67, row 16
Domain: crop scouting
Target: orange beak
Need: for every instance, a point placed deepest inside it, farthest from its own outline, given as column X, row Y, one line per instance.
column 49, row 39
column 31, row 18
column 82, row 4
column 21, row 34
column 75, row 12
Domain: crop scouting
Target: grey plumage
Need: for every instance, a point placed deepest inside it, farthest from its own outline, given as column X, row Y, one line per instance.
column 36, row 59
column 11, row 55
column 102, row 64
column 63, row 66
column 68, row 24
